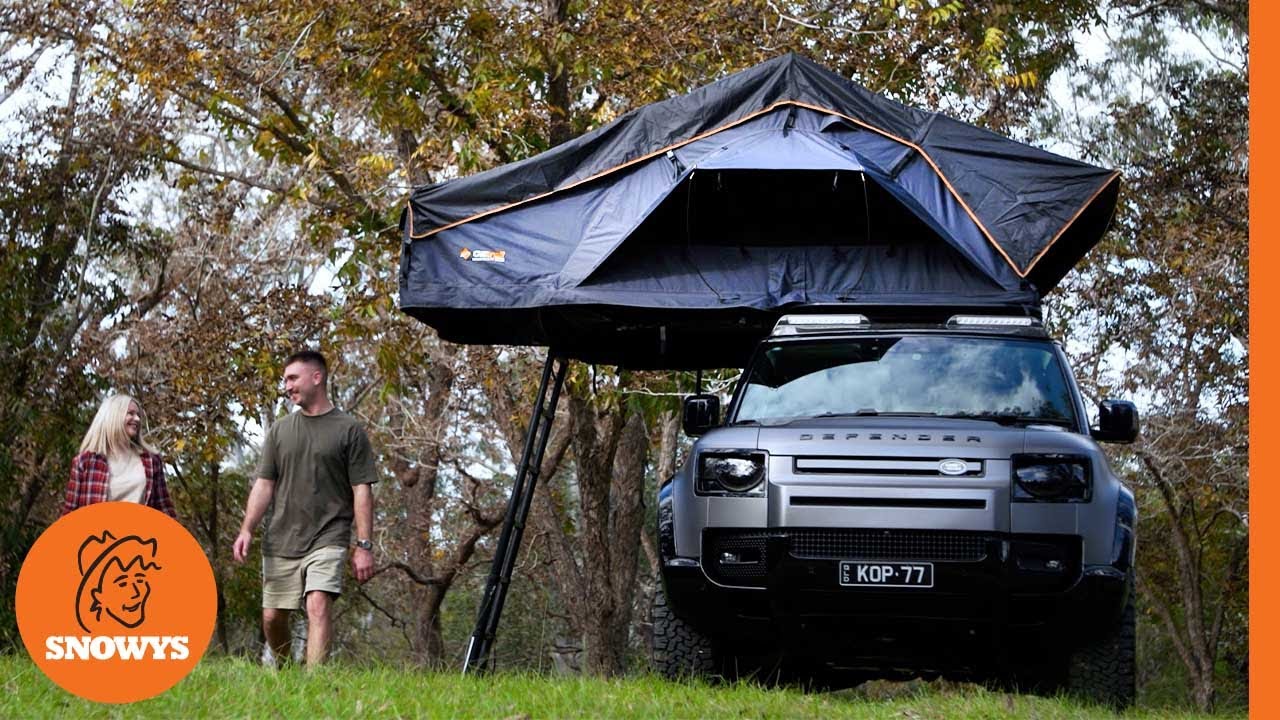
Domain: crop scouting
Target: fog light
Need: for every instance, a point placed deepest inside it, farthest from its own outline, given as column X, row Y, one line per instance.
column 740, row 557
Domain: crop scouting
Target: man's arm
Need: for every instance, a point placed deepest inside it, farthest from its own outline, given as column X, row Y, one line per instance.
column 361, row 559
column 259, row 501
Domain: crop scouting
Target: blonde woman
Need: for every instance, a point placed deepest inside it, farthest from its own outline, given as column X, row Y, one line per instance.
column 116, row 462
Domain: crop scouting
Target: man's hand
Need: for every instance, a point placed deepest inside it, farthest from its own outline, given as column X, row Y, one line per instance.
column 362, row 564
column 255, row 508
column 240, row 548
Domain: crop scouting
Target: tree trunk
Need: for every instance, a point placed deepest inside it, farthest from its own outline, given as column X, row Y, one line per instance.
column 1205, row 694
column 428, row 641
column 428, row 645
column 1195, row 631
column 611, row 448
column 556, row 13
column 219, row 573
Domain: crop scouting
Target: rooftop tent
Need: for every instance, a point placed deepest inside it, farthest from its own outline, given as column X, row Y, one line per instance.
column 674, row 236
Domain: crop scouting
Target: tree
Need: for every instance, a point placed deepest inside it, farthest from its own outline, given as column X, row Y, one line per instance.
column 1158, row 311
column 595, row 555
column 429, row 433
column 73, row 258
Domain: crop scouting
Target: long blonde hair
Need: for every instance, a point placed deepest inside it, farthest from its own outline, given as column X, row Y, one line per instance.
column 107, row 435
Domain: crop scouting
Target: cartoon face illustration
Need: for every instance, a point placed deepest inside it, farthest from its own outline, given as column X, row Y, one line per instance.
column 123, row 591
column 115, row 581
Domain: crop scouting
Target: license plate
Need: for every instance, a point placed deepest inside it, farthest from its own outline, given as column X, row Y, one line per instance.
column 885, row 574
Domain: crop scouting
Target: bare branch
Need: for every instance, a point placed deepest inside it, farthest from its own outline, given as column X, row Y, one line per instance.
column 224, row 174
column 1166, row 616
column 783, row 17
column 395, row 621
column 408, row 571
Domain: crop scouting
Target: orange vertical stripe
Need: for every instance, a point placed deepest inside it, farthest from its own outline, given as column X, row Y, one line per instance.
column 1264, row 221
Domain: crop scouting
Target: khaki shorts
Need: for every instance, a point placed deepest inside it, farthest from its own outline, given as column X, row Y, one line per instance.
column 285, row 581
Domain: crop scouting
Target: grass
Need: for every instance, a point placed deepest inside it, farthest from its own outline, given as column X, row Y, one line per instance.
column 224, row 687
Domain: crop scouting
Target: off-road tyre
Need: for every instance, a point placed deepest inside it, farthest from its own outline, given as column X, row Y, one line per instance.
column 1104, row 670
column 678, row 650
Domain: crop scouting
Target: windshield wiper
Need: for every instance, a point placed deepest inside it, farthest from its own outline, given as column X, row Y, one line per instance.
column 1008, row 418
column 864, row 412
column 872, row 412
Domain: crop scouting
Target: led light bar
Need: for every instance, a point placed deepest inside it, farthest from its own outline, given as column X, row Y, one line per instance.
column 991, row 321
column 797, row 324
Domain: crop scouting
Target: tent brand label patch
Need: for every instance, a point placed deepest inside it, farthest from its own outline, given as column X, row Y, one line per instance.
column 498, row 256
column 116, row 602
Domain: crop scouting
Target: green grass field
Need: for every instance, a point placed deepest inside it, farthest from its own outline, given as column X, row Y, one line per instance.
column 234, row 688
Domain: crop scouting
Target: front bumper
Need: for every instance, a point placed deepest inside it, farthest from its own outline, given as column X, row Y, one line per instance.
column 993, row 595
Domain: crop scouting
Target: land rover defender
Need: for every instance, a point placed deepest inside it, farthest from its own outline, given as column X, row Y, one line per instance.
column 899, row 500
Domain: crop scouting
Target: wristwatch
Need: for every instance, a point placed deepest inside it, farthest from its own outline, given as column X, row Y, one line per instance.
column 365, row 545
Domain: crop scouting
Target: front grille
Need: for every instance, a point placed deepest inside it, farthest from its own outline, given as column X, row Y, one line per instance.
column 883, row 502
column 942, row 546
column 748, row 545
column 905, row 466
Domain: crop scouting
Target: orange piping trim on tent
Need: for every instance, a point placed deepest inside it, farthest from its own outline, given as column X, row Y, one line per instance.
column 615, row 168
column 932, row 164
column 1114, row 177
column 770, row 108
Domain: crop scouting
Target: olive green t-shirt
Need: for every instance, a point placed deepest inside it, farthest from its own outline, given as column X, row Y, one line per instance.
column 314, row 461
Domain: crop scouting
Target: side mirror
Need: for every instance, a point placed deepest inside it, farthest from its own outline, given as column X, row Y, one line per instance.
column 701, row 413
column 1117, row 422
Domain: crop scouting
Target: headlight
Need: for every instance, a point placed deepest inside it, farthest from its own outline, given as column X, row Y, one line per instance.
column 1051, row 478
column 731, row 472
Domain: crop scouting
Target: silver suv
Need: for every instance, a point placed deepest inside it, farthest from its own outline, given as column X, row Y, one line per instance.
column 901, row 500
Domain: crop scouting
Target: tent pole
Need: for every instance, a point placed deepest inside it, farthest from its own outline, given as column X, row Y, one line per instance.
column 526, row 481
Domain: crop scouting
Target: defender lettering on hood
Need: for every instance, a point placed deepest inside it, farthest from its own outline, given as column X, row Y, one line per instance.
column 920, row 437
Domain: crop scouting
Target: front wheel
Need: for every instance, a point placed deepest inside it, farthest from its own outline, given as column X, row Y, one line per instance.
column 1104, row 670
column 679, row 651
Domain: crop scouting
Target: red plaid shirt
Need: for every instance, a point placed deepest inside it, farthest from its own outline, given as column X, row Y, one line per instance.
column 90, row 476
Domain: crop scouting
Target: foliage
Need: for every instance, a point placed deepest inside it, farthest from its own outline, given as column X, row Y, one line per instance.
column 73, row 257
column 1158, row 313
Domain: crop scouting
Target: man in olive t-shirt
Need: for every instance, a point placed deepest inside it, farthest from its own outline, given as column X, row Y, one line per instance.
column 313, row 480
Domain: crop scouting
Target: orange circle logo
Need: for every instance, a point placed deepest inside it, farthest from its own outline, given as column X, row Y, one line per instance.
column 116, row 602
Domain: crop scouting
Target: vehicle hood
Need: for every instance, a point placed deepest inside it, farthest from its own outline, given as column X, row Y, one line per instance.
column 899, row 437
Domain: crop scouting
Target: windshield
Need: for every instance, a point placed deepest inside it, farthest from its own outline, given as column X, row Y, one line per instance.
column 996, row 378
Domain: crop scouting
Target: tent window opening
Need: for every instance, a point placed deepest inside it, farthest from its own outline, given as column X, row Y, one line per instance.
column 718, row 219
column 763, row 208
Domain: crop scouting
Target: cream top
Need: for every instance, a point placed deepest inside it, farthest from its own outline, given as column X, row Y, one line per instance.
column 128, row 478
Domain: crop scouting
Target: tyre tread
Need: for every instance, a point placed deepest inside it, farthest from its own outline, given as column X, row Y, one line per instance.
column 679, row 651
column 1104, row 671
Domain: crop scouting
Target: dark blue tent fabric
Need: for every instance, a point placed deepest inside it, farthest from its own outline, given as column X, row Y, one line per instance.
column 779, row 186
